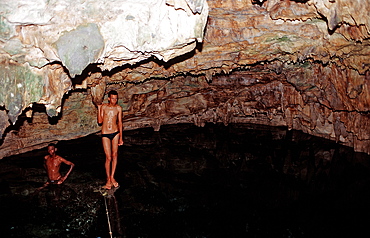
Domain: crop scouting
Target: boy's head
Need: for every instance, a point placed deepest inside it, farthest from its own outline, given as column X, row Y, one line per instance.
column 52, row 148
column 113, row 96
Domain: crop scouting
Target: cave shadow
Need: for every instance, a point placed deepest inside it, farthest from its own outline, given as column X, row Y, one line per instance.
column 260, row 3
column 90, row 69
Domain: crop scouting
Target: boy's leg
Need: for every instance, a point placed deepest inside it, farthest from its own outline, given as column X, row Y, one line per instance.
column 114, row 158
column 108, row 157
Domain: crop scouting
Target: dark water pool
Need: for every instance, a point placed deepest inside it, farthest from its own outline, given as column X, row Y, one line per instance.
column 185, row 181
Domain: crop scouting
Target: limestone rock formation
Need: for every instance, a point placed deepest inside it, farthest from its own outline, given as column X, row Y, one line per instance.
column 300, row 64
column 45, row 41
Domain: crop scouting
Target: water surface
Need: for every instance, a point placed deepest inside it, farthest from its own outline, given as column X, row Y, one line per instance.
column 184, row 181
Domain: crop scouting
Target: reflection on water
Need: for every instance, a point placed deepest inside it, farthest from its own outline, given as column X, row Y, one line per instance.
column 112, row 213
column 185, row 181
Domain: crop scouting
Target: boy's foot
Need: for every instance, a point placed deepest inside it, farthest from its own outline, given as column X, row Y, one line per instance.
column 107, row 186
column 115, row 184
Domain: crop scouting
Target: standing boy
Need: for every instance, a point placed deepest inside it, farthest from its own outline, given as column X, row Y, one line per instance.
column 110, row 116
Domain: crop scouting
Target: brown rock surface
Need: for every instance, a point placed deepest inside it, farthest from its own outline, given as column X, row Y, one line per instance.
column 301, row 64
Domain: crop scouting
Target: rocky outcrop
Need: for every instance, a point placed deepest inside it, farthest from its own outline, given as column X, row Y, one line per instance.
column 300, row 64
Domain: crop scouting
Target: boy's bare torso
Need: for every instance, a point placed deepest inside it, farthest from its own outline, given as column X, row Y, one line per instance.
column 53, row 165
column 110, row 114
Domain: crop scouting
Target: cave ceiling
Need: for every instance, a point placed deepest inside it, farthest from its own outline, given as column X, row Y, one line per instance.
column 299, row 64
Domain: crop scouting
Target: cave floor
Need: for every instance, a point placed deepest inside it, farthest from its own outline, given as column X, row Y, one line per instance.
column 184, row 181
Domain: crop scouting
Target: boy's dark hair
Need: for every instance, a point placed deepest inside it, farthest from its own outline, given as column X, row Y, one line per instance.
column 52, row 144
column 112, row 92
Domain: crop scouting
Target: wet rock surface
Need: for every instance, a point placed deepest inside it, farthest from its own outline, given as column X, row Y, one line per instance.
column 184, row 181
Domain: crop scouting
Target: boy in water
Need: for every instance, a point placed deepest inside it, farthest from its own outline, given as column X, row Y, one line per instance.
column 110, row 116
column 52, row 163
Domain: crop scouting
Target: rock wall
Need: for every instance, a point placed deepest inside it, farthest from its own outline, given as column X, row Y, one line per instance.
column 300, row 64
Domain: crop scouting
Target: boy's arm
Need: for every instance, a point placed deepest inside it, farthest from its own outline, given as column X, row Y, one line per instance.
column 100, row 114
column 120, row 141
column 63, row 178
column 45, row 158
column 46, row 169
